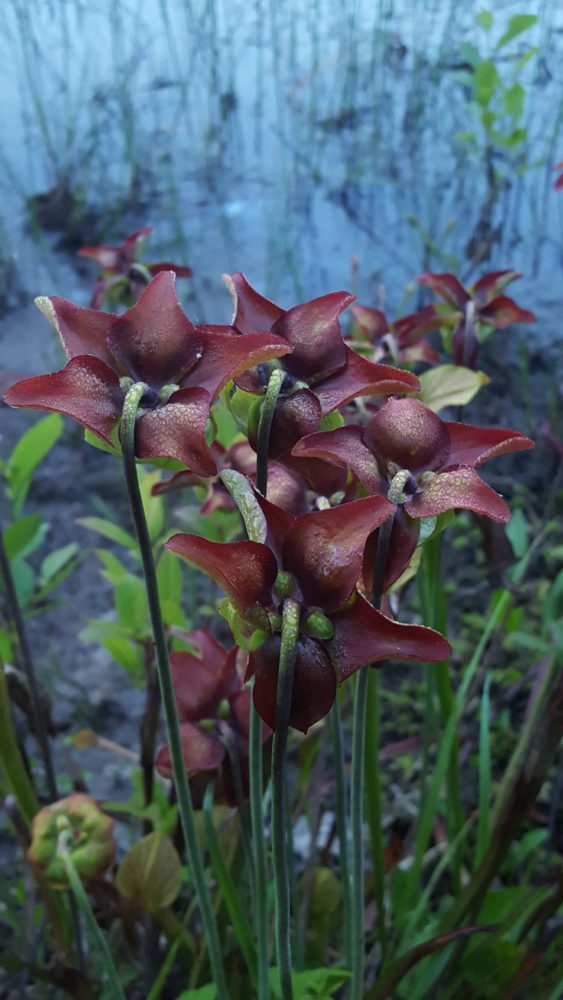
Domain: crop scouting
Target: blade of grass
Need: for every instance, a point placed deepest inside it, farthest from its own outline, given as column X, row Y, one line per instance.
column 484, row 773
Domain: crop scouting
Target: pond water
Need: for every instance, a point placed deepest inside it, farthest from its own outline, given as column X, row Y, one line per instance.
column 313, row 146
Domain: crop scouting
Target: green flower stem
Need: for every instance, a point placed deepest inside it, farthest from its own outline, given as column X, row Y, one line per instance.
column 288, row 653
column 357, row 785
column 264, row 427
column 342, row 827
column 11, row 759
column 84, row 905
column 29, row 670
column 260, row 907
column 374, row 810
column 185, row 805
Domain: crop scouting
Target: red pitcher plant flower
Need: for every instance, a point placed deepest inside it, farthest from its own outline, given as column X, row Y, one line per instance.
column 316, row 559
column 401, row 342
column 124, row 277
column 321, row 373
column 432, row 461
column 183, row 366
column 479, row 305
column 214, row 711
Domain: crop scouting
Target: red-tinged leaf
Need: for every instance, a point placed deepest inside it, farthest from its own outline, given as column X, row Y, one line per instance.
column 447, row 287
column 246, row 571
column 314, row 682
column 225, row 355
column 252, row 311
column 85, row 389
column 295, row 416
column 459, row 488
column 180, row 270
column 363, row 635
column 502, row 312
column 108, row 257
column 360, row 377
column 475, row 445
column 491, row 284
column 131, row 244
column 346, row 449
column 372, row 323
column 313, row 331
column 154, row 340
column 82, row 331
column 177, row 430
column 408, row 434
column 409, row 329
column 324, row 549
column 202, row 751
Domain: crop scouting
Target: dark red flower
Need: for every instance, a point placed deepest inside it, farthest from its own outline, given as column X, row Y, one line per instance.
column 401, row 342
column 214, row 712
column 558, row 184
column 184, row 367
column 321, row 373
column 479, row 305
column 435, row 461
column 124, row 277
column 316, row 559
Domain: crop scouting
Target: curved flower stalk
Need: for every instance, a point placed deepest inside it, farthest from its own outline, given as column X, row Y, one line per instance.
column 183, row 366
column 214, row 713
column 401, row 342
column 432, row 460
column 124, row 276
column 476, row 308
column 322, row 372
column 314, row 560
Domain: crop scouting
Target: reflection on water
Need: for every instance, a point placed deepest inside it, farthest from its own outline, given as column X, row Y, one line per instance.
column 314, row 146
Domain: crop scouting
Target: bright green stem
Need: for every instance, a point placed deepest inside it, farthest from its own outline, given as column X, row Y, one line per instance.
column 264, row 428
column 288, row 653
column 374, row 810
column 342, row 827
column 185, row 805
column 11, row 759
column 259, row 846
column 98, row 938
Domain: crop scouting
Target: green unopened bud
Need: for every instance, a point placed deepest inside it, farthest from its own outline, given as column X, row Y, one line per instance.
column 87, row 834
column 284, row 584
column 337, row 498
column 258, row 637
column 318, row 625
column 125, row 383
column 167, row 391
column 275, row 621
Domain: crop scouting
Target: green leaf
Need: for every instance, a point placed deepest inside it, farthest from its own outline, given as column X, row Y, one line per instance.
column 131, row 604
column 19, row 535
column 113, row 570
column 485, row 82
column 517, row 533
column 6, row 650
column 525, row 58
column 128, row 655
column 313, row 984
column 24, row 580
column 109, row 530
column 32, row 447
column 470, row 54
column 449, row 385
column 516, row 26
column 208, row 992
column 513, row 98
column 226, row 427
column 151, row 873
column 169, row 577
column 56, row 562
column 484, row 19
column 153, row 505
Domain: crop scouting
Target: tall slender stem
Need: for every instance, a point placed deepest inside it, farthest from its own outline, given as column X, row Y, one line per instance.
column 342, row 827
column 357, row 787
column 260, row 869
column 185, row 804
column 288, row 653
column 264, row 427
column 374, row 810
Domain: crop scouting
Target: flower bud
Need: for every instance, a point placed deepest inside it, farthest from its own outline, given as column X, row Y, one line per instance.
column 90, row 841
column 318, row 625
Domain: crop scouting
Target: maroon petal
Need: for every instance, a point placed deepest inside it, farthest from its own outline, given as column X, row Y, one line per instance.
column 446, row 286
column 85, row 389
column 108, row 257
column 180, row 270
column 360, row 377
column 295, row 416
column 240, row 716
column 197, row 679
column 325, row 549
column 362, row 635
column 404, row 539
column 492, row 283
column 252, row 310
column 346, row 449
column 246, row 571
column 154, row 340
column 502, row 312
column 458, row 488
column 202, row 751
column 423, row 352
column 177, row 430
column 474, row 445
column 131, row 244
column 372, row 323
column 408, row 434
column 314, row 332
column 278, row 521
column 409, row 329
column 314, row 682
column 82, row 331
column 226, row 355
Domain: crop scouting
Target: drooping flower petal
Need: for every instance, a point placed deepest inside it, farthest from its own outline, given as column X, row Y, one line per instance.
column 82, row 331
column 363, row 635
column 446, row 286
column 458, row 488
column 404, row 539
column 360, row 377
column 474, row 445
column 314, row 683
column 313, row 331
column 85, row 389
column 198, row 684
column 177, row 430
column 295, row 416
column 252, row 311
column 406, row 432
column 344, row 447
column 491, row 284
column 502, row 312
column 409, row 329
column 154, row 340
column 202, row 751
column 226, row 355
column 371, row 323
column 246, row 571
column 325, row 549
